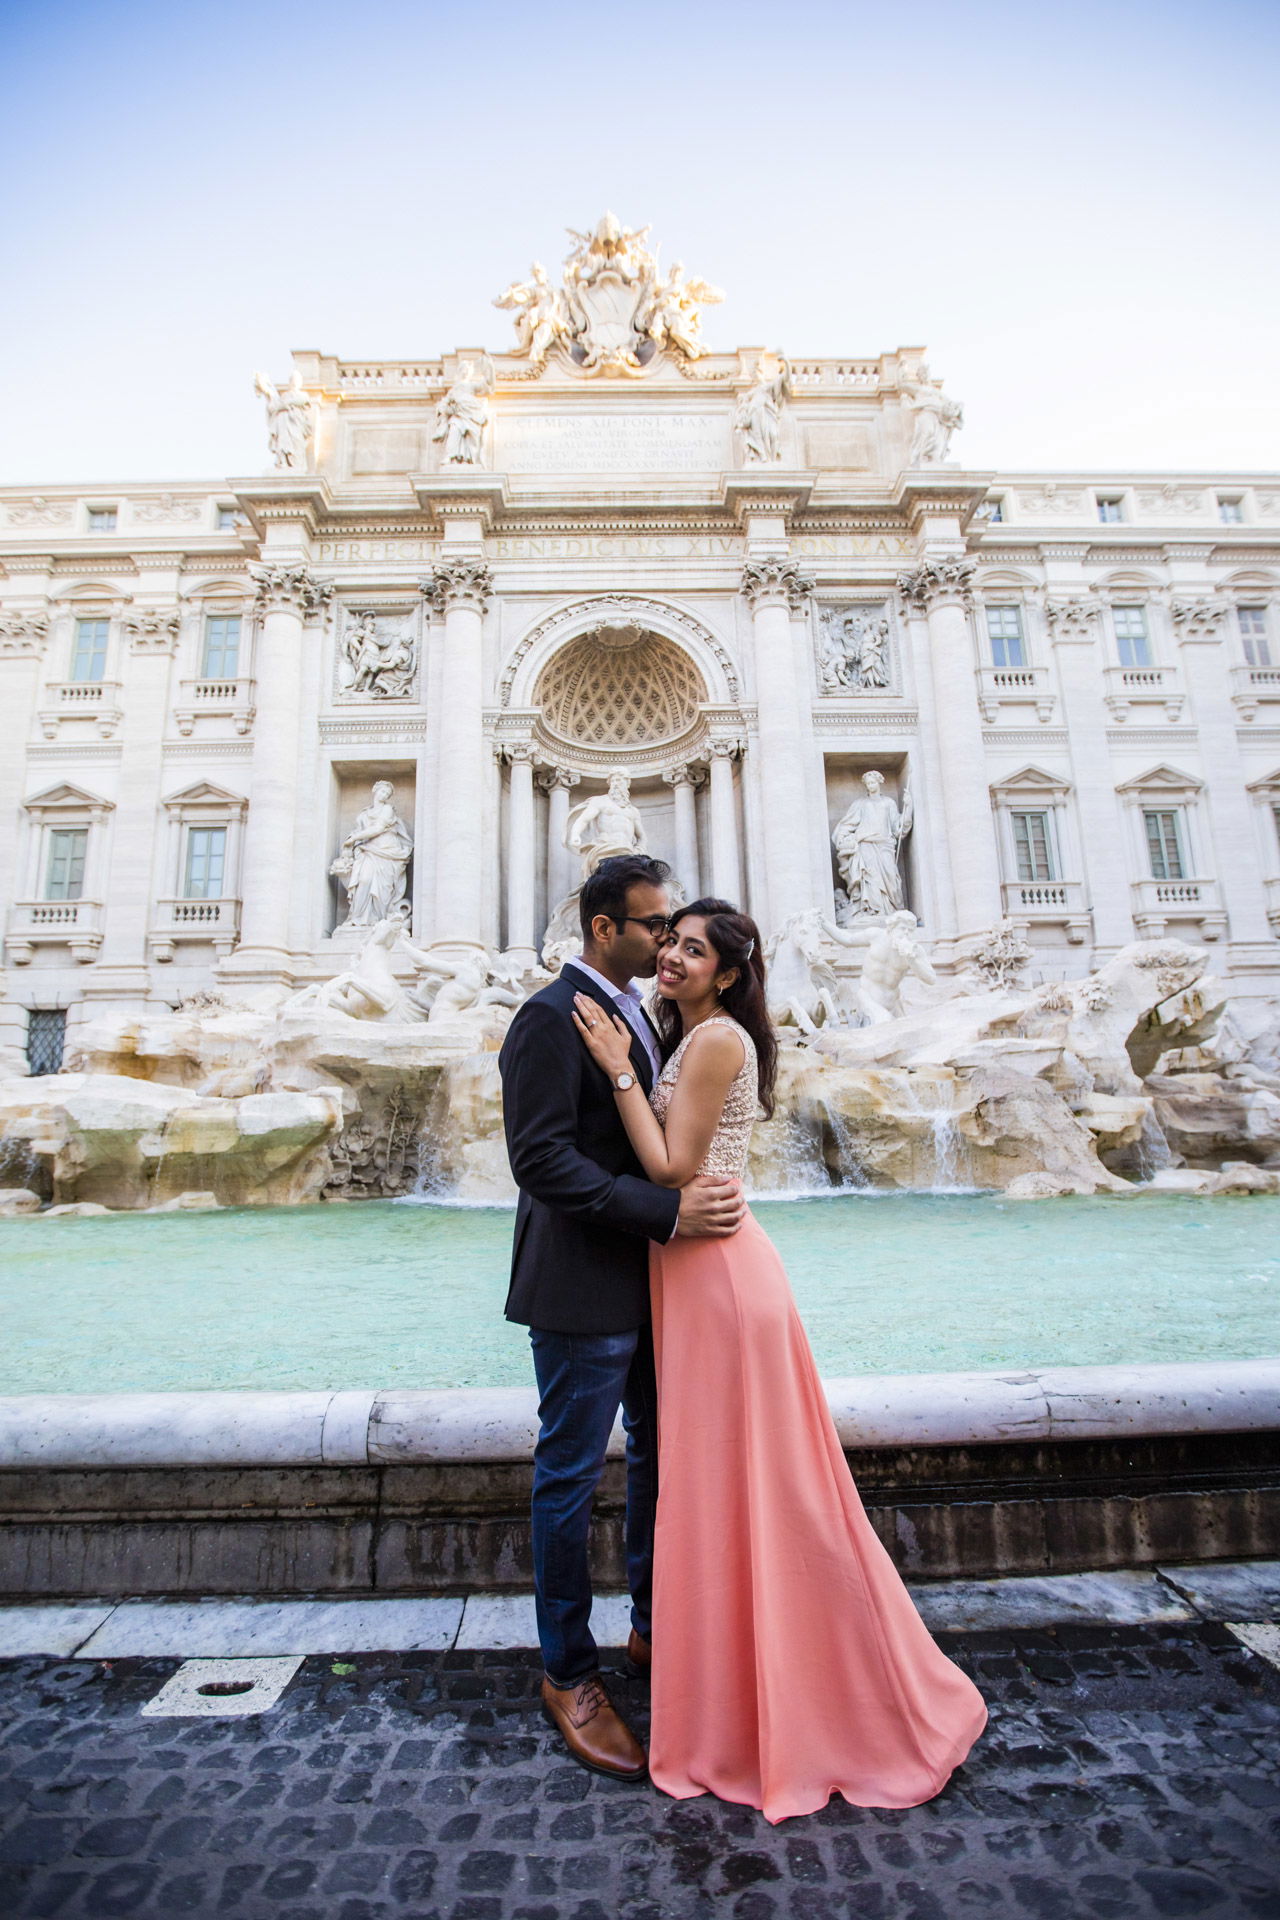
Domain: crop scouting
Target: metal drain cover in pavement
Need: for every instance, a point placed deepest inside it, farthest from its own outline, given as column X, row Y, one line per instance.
column 222, row 1687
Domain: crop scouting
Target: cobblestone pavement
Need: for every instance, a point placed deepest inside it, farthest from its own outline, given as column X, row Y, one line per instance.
column 1125, row 1771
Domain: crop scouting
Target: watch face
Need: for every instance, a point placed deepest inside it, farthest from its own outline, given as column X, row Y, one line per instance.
column 624, row 1080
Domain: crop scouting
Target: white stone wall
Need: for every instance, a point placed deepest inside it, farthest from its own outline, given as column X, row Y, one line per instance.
column 626, row 502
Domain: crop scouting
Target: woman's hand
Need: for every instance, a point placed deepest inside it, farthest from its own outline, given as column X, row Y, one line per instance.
column 608, row 1041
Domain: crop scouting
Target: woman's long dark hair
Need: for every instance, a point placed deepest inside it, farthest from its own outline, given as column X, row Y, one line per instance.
column 736, row 939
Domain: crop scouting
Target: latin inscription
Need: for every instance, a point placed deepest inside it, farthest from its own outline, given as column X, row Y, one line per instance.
column 613, row 443
column 619, row 546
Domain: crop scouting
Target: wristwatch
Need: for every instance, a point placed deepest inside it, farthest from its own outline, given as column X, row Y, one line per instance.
column 623, row 1081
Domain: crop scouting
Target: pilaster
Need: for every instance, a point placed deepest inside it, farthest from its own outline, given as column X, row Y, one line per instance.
column 941, row 588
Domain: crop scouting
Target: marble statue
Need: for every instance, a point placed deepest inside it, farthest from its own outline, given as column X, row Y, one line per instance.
column 449, row 990
column 673, row 318
column 373, row 861
column 873, row 668
column 464, row 413
column 605, row 824
column 936, row 418
column 851, row 651
column 290, row 421
column 614, row 311
column 758, row 419
column 368, row 988
column 542, row 316
column 375, row 662
column 801, row 982
column 868, row 839
column 893, row 953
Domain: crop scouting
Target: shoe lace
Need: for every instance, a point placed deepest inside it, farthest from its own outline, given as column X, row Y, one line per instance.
column 591, row 1697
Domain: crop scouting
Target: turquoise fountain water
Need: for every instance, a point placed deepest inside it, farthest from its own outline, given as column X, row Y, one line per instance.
column 401, row 1294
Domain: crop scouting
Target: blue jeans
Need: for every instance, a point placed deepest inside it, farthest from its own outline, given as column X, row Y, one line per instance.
column 582, row 1379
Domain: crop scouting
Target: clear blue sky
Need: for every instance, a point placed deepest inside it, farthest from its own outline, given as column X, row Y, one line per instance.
column 1072, row 207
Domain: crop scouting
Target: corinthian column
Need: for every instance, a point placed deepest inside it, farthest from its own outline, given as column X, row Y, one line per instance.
column 941, row 588
column 521, row 850
column 460, row 589
column 288, row 596
column 557, row 783
column 726, row 872
column 776, row 589
column 684, row 782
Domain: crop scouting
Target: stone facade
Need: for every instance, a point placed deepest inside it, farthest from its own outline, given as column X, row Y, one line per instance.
column 493, row 578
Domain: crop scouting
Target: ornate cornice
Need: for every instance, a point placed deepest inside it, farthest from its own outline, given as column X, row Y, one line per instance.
column 1198, row 619
column 23, row 633
column 149, row 631
column 775, row 582
column 1071, row 619
column 548, row 777
column 458, row 583
column 289, row 589
column 938, row 583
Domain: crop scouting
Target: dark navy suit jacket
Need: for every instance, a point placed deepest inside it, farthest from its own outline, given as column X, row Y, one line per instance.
column 580, row 1263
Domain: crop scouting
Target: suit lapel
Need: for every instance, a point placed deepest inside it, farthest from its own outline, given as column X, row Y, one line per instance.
column 638, row 1054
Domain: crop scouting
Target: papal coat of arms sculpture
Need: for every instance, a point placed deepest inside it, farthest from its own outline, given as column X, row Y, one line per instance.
column 615, row 310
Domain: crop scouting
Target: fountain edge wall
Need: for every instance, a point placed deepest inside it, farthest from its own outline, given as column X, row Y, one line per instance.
column 962, row 1475
column 394, row 1427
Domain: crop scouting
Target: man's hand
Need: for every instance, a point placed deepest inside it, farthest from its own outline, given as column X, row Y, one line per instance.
column 711, row 1209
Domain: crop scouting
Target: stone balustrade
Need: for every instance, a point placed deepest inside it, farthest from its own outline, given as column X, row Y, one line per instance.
column 1157, row 902
column 1016, row 687
column 215, row 700
column 214, row 923
column 1128, row 687
column 96, row 700
column 76, row 924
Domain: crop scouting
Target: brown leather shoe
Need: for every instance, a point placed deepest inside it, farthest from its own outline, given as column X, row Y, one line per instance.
column 639, row 1654
column 593, row 1730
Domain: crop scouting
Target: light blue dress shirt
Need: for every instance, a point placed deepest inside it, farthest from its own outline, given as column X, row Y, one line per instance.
column 630, row 1005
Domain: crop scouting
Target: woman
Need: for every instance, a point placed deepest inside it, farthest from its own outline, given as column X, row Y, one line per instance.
column 788, row 1660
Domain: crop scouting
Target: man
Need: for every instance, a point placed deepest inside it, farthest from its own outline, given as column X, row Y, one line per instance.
column 580, row 1283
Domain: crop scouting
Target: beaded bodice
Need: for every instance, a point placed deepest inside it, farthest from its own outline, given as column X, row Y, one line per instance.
column 727, row 1153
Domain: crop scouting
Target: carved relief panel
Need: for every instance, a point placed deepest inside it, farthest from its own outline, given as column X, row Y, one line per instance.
column 376, row 658
column 856, row 649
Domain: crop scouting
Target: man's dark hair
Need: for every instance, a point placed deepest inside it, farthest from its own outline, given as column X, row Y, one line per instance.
column 605, row 890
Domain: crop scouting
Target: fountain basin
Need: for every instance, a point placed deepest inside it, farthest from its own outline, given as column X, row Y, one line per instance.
column 402, row 1296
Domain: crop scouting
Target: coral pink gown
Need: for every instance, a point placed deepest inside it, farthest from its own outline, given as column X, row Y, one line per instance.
column 789, row 1662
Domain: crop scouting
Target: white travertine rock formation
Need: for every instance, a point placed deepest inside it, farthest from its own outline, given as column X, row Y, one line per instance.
column 134, row 1143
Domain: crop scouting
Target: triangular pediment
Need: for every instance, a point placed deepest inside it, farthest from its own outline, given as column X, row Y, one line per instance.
column 1163, row 777
column 65, row 795
column 1031, row 778
column 204, row 793
column 1269, row 783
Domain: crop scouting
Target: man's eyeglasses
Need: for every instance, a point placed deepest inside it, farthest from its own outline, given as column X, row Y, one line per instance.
column 656, row 923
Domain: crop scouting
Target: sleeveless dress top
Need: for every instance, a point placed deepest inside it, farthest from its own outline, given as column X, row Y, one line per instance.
column 727, row 1153
column 789, row 1661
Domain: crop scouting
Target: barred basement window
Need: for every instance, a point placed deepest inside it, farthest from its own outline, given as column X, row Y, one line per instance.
column 46, row 1032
